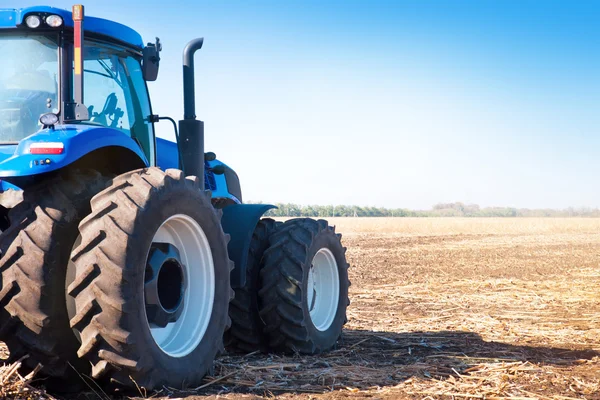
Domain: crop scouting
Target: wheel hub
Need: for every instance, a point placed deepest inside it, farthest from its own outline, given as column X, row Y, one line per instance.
column 194, row 254
column 164, row 285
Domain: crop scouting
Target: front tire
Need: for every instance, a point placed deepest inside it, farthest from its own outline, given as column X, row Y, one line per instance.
column 36, row 249
column 152, row 281
column 304, row 287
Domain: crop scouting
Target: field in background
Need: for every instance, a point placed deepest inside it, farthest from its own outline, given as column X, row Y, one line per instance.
column 442, row 307
column 463, row 226
column 449, row 308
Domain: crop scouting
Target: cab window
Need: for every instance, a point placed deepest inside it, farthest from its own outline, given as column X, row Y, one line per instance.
column 115, row 94
column 28, row 83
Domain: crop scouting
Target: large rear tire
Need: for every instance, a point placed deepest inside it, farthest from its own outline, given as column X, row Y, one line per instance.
column 35, row 254
column 246, row 333
column 152, row 281
column 304, row 287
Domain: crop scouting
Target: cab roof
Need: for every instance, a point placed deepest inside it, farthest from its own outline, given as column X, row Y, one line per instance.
column 14, row 18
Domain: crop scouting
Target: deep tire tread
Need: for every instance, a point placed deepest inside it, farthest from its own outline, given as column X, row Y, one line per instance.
column 246, row 333
column 34, row 319
column 108, row 340
column 284, row 263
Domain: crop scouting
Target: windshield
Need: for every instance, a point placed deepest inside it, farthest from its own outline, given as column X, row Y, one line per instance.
column 28, row 84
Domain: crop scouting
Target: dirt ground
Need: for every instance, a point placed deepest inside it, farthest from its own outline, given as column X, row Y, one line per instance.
column 448, row 308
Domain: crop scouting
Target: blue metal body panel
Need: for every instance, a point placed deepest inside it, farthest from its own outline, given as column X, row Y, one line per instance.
column 167, row 154
column 11, row 18
column 78, row 140
column 239, row 221
column 221, row 190
column 4, row 186
column 168, row 157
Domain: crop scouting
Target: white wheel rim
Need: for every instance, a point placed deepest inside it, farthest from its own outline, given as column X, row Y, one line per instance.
column 181, row 337
column 323, row 289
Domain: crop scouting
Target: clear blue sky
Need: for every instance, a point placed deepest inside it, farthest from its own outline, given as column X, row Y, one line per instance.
column 388, row 103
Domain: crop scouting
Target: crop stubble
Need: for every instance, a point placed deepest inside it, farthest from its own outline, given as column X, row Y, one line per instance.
column 449, row 308
column 470, row 308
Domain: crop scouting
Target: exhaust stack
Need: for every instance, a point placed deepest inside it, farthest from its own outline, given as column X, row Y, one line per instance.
column 191, row 131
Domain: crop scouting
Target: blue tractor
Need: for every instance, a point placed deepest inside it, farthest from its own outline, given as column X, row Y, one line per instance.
column 121, row 252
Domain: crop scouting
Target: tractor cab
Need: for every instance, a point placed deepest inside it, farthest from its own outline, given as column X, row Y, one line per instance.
column 73, row 93
column 57, row 75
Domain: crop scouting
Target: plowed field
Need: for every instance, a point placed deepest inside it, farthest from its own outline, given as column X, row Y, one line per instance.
column 470, row 308
column 449, row 308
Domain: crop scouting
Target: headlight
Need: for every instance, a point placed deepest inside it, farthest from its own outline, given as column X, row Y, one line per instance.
column 54, row 21
column 49, row 119
column 33, row 21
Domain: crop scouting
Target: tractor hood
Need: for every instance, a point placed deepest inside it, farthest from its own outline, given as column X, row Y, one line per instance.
column 52, row 149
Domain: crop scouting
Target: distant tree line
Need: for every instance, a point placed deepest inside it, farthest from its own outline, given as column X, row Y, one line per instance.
column 439, row 210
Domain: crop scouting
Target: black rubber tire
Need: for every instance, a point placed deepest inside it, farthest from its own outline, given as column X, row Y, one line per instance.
column 109, row 283
column 246, row 333
column 284, row 276
column 35, row 254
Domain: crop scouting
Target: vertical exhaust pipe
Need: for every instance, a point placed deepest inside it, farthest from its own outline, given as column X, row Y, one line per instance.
column 189, row 99
column 191, row 131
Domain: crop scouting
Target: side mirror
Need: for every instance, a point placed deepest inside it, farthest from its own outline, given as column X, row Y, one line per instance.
column 151, row 60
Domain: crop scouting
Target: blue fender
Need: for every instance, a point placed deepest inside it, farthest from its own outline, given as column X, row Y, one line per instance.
column 239, row 221
column 77, row 139
column 218, row 183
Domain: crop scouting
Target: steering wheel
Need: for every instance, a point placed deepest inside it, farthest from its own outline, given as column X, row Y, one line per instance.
column 110, row 106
